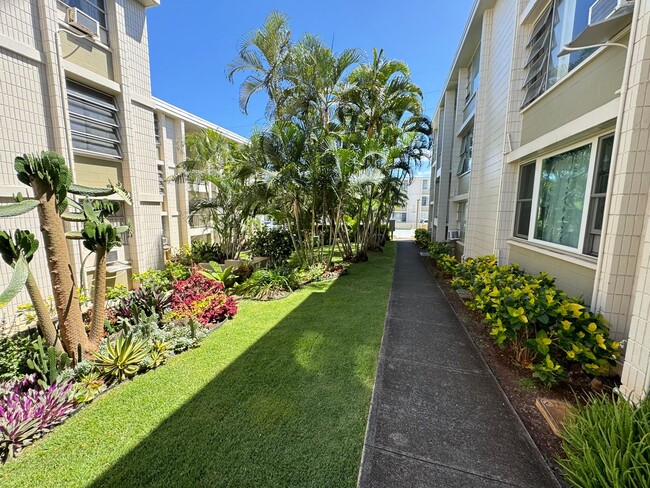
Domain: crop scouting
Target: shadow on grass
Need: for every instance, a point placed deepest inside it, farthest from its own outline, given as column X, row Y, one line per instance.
column 290, row 411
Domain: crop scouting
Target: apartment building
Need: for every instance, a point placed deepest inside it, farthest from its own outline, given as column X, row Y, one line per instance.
column 541, row 153
column 75, row 79
column 415, row 211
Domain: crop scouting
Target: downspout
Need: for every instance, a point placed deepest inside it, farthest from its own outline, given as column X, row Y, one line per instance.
column 615, row 145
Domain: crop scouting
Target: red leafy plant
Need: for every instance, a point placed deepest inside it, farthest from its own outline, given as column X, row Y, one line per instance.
column 203, row 299
column 28, row 411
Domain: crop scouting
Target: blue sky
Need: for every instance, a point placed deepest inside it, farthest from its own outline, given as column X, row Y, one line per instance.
column 191, row 42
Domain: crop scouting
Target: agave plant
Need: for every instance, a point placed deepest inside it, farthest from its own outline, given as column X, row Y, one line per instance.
column 122, row 358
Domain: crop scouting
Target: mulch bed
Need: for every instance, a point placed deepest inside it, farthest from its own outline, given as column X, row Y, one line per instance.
column 517, row 382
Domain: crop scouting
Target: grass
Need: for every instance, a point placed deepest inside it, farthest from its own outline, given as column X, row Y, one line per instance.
column 277, row 397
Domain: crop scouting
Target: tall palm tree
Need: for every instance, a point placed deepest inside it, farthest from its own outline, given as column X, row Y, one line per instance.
column 232, row 195
column 263, row 54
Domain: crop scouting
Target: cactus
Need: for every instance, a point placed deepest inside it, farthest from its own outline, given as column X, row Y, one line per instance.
column 47, row 363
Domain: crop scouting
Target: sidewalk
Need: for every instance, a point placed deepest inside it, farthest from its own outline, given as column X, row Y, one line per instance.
column 438, row 417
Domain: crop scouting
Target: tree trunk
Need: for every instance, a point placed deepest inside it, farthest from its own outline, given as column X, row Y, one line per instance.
column 43, row 317
column 99, row 298
column 66, row 297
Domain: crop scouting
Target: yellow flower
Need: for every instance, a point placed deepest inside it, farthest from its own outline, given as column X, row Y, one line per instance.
column 616, row 345
column 601, row 341
column 571, row 354
column 592, row 327
column 581, row 335
column 566, row 325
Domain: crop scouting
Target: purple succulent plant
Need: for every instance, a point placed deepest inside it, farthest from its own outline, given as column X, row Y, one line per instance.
column 27, row 411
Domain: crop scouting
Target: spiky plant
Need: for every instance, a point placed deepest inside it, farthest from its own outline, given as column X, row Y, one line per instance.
column 122, row 358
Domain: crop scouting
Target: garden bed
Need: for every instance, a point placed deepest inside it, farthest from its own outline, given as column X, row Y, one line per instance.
column 517, row 382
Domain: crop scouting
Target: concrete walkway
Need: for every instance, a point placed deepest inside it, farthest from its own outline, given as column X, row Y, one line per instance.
column 438, row 417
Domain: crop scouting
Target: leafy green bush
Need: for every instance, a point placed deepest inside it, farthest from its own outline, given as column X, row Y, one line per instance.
column 225, row 276
column 273, row 243
column 607, row 444
column 116, row 292
column 14, row 353
column 266, row 284
column 422, row 237
column 441, row 253
column 548, row 330
column 153, row 278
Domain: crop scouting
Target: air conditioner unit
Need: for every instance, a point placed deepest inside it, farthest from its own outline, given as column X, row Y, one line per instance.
column 117, row 255
column 82, row 21
column 454, row 235
column 604, row 9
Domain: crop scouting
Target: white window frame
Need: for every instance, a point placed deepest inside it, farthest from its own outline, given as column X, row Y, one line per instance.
column 463, row 150
column 469, row 97
column 579, row 250
column 88, row 100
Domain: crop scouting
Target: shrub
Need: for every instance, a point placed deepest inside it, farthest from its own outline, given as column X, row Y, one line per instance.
column 179, row 335
column 150, row 300
column 266, row 284
column 195, row 288
column 211, row 309
column 225, row 276
column 274, row 243
column 175, row 271
column 14, row 352
column 153, row 278
column 607, row 443
column 244, row 271
column 27, row 411
column 201, row 298
column 116, row 292
column 548, row 330
column 422, row 237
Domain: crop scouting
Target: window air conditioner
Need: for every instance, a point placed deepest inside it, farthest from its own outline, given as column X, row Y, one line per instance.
column 82, row 21
column 117, row 255
column 454, row 235
column 604, row 9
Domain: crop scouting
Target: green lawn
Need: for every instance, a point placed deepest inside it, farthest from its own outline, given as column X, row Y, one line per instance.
column 277, row 397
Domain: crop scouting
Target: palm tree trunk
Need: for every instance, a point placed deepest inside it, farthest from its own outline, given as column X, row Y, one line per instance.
column 99, row 298
column 66, row 297
column 43, row 317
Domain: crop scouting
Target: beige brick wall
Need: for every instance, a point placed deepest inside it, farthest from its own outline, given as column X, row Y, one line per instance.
column 19, row 21
column 489, row 126
column 624, row 294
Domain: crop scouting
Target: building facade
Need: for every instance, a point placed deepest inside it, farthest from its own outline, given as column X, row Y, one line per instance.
column 541, row 154
column 415, row 211
column 75, row 79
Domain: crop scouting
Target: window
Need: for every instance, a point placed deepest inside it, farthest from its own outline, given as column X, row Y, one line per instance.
column 466, row 145
column 473, row 75
column 561, row 198
column 93, row 8
column 524, row 200
column 462, row 219
column 425, row 201
column 598, row 192
column 560, row 23
column 425, row 184
column 93, row 120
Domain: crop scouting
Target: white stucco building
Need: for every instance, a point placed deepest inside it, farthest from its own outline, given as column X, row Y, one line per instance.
column 75, row 79
column 415, row 212
column 541, row 154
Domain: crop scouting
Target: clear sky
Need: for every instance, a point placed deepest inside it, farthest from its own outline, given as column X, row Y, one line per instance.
column 192, row 41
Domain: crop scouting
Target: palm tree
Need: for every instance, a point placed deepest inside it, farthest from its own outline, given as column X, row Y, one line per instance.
column 231, row 195
column 264, row 54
